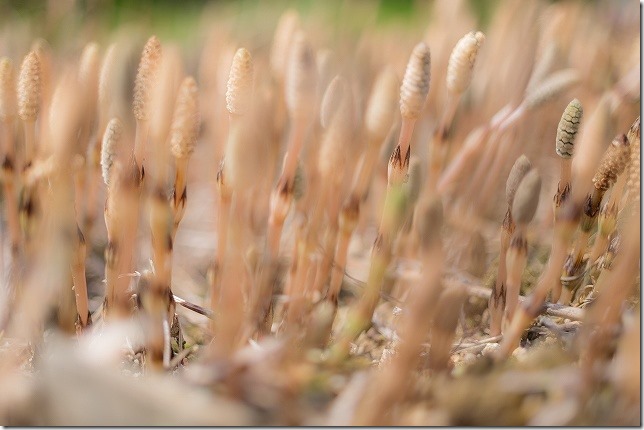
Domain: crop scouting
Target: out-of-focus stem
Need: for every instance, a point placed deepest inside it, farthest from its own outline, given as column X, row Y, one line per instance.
column 80, row 283
column 9, row 189
column 497, row 301
column 140, row 143
column 282, row 195
column 438, row 149
column 517, row 255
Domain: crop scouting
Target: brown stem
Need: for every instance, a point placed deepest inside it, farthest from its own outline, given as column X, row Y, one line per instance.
column 140, row 142
column 80, row 283
column 365, row 170
column 456, row 168
column 360, row 315
column 566, row 168
column 122, row 219
column 490, row 151
column 490, row 182
column 497, row 301
column 11, row 207
column 179, row 193
column 516, row 261
column 328, row 249
column 295, row 143
column 406, row 132
column 340, row 265
column 390, row 385
column 222, row 243
column 437, row 149
column 30, row 143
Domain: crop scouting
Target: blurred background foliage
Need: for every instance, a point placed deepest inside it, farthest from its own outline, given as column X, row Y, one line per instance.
column 173, row 17
column 176, row 19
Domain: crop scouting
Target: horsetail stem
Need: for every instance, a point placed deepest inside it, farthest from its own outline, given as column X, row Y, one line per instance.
column 524, row 206
column 498, row 298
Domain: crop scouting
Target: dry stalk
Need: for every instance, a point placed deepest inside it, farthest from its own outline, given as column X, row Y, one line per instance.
column 497, row 301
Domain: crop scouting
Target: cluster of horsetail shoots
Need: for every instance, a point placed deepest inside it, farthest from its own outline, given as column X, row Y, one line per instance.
column 378, row 121
column 566, row 221
column 413, row 93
